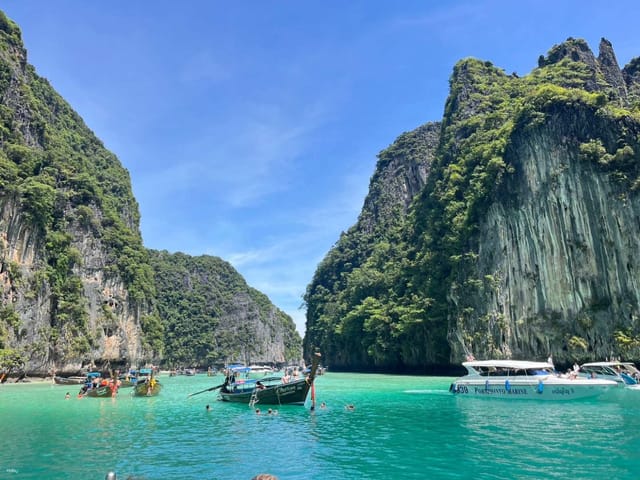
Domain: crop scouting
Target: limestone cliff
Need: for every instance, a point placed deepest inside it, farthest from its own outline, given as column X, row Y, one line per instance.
column 77, row 286
column 401, row 173
column 211, row 316
column 74, row 288
column 556, row 270
column 521, row 243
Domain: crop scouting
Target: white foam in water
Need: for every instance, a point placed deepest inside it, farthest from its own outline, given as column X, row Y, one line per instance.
column 426, row 392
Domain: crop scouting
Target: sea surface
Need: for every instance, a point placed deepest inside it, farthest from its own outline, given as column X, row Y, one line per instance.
column 402, row 427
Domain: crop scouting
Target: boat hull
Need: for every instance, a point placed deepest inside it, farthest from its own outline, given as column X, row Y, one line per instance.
column 145, row 389
column 531, row 389
column 69, row 380
column 293, row 393
column 102, row 392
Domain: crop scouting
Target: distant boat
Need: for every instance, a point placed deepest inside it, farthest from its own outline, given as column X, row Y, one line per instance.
column 147, row 384
column 73, row 380
column 517, row 380
column 96, row 386
column 259, row 370
column 624, row 373
column 129, row 379
column 268, row 391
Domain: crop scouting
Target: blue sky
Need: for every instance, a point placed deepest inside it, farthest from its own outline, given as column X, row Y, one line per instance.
column 251, row 129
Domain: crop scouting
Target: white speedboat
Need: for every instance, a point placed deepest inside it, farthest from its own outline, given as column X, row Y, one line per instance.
column 517, row 379
column 260, row 369
column 624, row 373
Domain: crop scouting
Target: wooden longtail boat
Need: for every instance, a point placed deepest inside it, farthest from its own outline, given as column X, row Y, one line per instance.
column 96, row 386
column 269, row 390
column 103, row 391
column 129, row 379
column 69, row 380
column 147, row 385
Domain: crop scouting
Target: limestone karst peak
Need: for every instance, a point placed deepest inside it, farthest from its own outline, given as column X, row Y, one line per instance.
column 611, row 70
column 576, row 50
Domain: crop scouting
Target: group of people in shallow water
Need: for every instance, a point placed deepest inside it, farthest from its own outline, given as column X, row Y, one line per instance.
column 269, row 412
column 98, row 382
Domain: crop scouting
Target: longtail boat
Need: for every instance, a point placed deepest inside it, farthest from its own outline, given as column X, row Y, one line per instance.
column 74, row 380
column 147, row 385
column 269, row 390
column 103, row 391
column 128, row 379
column 97, row 386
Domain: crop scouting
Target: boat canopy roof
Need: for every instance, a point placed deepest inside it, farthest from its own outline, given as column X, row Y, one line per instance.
column 238, row 368
column 517, row 364
column 607, row 364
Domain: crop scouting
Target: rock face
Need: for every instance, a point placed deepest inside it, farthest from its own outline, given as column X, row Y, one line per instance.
column 521, row 242
column 401, row 173
column 112, row 322
column 212, row 317
column 77, row 287
column 556, row 250
column 557, row 253
column 65, row 206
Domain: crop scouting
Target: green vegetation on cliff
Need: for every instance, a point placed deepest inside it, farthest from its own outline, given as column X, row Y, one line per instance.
column 211, row 316
column 65, row 182
column 391, row 302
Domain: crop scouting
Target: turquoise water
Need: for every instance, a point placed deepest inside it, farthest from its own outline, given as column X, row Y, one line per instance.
column 401, row 428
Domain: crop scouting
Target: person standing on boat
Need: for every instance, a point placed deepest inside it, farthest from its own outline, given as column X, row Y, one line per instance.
column 550, row 362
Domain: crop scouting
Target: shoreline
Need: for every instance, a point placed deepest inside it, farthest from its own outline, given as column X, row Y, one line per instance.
column 29, row 380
